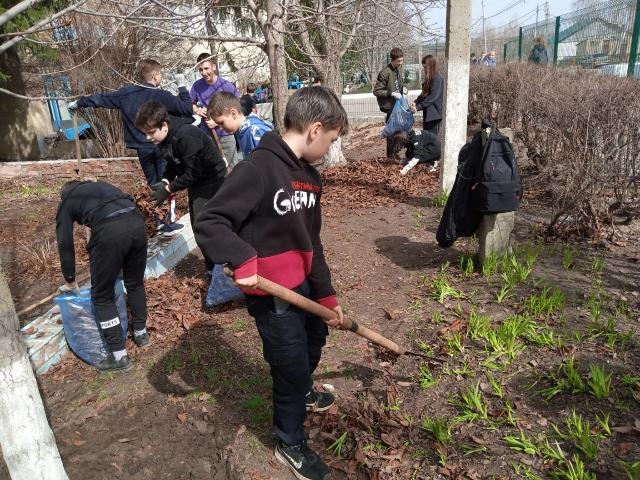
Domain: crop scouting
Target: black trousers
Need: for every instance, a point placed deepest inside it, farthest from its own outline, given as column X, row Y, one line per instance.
column 433, row 126
column 118, row 242
column 292, row 341
column 388, row 146
column 198, row 198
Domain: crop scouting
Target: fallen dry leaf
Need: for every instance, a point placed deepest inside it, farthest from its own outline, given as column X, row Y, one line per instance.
column 78, row 442
column 182, row 417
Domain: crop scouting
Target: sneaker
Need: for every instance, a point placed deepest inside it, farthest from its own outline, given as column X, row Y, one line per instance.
column 142, row 341
column 303, row 462
column 433, row 167
column 412, row 163
column 172, row 229
column 110, row 364
column 320, row 400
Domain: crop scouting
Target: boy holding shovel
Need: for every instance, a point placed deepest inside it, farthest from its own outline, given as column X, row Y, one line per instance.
column 266, row 221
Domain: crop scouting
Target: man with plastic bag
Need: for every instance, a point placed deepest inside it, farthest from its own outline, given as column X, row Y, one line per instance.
column 388, row 87
column 118, row 241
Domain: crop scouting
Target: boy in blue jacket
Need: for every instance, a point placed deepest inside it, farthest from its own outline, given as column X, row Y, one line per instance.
column 128, row 100
column 226, row 110
column 265, row 220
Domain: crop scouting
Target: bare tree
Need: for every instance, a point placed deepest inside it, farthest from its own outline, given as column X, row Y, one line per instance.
column 28, row 445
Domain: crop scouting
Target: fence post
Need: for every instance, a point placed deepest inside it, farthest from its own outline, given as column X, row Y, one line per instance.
column 633, row 53
column 556, row 41
column 504, row 54
column 520, row 44
column 342, row 72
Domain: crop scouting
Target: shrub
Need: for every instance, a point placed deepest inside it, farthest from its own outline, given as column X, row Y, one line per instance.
column 579, row 129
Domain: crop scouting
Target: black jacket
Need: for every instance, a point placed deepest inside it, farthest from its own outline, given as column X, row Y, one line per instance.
column 266, row 219
column 424, row 145
column 538, row 54
column 248, row 103
column 431, row 105
column 87, row 204
column 191, row 156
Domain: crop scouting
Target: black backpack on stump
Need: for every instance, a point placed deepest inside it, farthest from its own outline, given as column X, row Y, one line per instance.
column 499, row 186
column 488, row 181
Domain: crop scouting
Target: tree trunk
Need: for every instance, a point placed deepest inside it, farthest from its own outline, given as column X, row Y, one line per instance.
column 333, row 80
column 334, row 157
column 274, row 37
column 28, row 445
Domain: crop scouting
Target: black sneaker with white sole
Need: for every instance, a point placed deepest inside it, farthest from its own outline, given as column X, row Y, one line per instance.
column 319, row 401
column 142, row 341
column 303, row 462
column 110, row 364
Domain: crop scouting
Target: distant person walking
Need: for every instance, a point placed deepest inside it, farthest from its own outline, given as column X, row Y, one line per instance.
column 538, row 53
column 430, row 99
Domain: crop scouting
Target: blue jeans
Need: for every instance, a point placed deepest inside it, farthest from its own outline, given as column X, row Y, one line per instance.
column 153, row 164
column 292, row 341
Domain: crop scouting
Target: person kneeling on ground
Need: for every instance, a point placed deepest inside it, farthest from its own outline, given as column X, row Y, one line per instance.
column 266, row 221
column 118, row 241
column 224, row 109
column 422, row 147
column 193, row 161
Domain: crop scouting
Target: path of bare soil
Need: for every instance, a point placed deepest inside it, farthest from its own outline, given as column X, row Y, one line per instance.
column 197, row 405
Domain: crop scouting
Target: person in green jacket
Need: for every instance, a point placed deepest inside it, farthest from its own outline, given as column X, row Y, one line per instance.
column 388, row 87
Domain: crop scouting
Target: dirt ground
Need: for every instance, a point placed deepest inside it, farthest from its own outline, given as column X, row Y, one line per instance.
column 197, row 404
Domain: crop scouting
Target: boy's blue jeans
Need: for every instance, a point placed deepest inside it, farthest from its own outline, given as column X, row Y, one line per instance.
column 292, row 341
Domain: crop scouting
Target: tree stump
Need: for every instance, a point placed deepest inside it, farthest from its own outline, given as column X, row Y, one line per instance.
column 495, row 230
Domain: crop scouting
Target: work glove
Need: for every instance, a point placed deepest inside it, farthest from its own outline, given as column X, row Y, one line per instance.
column 180, row 80
column 159, row 194
column 72, row 106
column 63, row 290
column 396, row 95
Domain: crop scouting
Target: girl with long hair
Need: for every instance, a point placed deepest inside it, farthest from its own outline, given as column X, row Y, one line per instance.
column 430, row 99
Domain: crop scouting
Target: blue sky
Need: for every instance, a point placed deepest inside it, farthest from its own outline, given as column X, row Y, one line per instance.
column 525, row 10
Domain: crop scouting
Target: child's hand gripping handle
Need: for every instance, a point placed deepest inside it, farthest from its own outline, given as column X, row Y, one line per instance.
column 310, row 306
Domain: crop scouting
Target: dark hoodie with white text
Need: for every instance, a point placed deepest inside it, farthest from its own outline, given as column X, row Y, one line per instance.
column 266, row 219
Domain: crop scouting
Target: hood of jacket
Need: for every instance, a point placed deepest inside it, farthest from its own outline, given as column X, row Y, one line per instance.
column 272, row 142
column 174, row 124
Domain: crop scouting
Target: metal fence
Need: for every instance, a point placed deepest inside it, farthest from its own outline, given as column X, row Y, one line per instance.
column 602, row 36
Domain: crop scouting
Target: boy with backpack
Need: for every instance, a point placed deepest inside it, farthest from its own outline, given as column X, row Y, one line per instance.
column 193, row 161
column 538, row 53
column 266, row 221
column 225, row 109
column 128, row 100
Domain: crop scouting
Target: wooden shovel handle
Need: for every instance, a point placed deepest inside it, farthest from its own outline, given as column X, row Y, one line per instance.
column 321, row 311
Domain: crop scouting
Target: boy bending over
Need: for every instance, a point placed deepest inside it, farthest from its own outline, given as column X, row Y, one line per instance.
column 225, row 110
column 193, row 161
column 266, row 221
